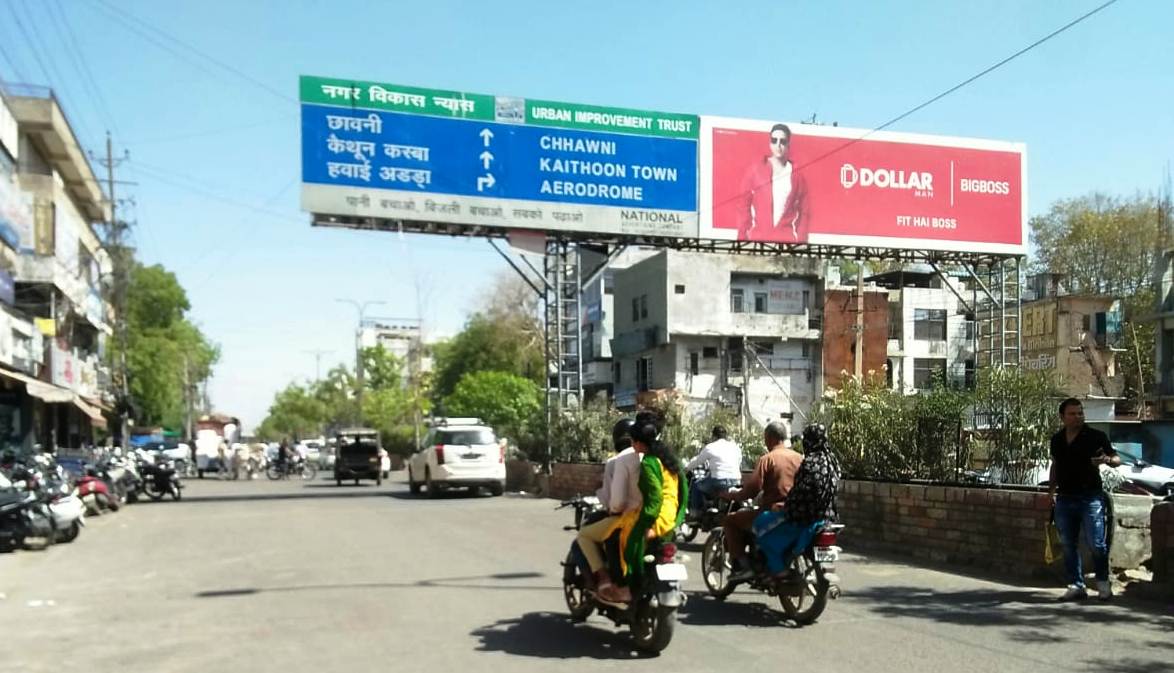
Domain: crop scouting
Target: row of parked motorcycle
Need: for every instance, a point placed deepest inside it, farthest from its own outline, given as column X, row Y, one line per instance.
column 40, row 499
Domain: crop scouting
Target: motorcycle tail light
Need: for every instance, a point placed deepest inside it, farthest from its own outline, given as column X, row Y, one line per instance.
column 668, row 552
column 825, row 538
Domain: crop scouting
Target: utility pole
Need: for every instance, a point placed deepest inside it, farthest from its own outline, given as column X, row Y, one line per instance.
column 362, row 309
column 188, row 398
column 121, row 261
column 317, row 362
column 858, row 370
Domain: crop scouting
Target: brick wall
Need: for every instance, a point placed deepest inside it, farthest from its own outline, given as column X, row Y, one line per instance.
column 570, row 479
column 991, row 529
column 1163, row 543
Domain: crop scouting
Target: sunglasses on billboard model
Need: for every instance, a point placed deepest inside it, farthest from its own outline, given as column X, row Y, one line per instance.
column 779, row 141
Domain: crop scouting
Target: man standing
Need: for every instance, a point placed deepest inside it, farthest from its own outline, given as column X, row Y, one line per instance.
column 1078, row 451
column 774, row 195
column 724, row 460
column 773, row 476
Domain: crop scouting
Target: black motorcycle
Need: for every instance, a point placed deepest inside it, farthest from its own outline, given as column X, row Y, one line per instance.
column 159, row 479
column 708, row 518
column 803, row 593
column 652, row 614
column 25, row 513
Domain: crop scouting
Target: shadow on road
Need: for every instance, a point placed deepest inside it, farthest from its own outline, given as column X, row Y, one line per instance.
column 297, row 495
column 1038, row 614
column 446, row 494
column 705, row 610
column 553, row 636
column 468, row 583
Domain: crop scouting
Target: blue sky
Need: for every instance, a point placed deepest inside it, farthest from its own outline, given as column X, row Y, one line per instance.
column 215, row 153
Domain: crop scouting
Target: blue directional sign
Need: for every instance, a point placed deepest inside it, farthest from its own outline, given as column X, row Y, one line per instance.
column 365, row 160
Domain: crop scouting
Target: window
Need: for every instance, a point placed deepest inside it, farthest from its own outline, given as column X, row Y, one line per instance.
column 929, row 324
column 694, row 363
column 643, row 306
column 735, row 362
column 709, row 352
column 609, row 282
column 679, row 289
column 635, row 309
column 927, row 372
column 616, row 373
column 737, row 300
column 806, row 299
column 806, row 349
column 760, row 302
column 643, row 373
column 1085, row 323
column 466, row 437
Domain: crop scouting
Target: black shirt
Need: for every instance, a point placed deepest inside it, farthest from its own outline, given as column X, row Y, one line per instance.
column 1075, row 472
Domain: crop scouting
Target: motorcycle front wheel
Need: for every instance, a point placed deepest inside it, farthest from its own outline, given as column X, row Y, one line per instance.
column 806, row 602
column 575, row 584
column 309, row 471
column 715, row 565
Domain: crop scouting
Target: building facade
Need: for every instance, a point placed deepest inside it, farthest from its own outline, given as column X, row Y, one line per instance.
column 55, row 320
column 720, row 330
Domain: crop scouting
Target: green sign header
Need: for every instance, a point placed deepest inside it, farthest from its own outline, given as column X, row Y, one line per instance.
column 440, row 103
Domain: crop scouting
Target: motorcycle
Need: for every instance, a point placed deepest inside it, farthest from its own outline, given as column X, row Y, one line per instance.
column 95, row 493
column 803, row 593
column 295, row 466
column 652, row 614
column 160, row 478
column 710, row 516
column 25, row 513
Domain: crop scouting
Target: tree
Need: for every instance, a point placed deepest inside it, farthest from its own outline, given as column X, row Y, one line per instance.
column 506, row 336
column 1108, row 245
column 161, row 343
column 509, row 403
column 295, row 413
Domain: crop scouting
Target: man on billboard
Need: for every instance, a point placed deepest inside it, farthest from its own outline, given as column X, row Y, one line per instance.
column 774, row 195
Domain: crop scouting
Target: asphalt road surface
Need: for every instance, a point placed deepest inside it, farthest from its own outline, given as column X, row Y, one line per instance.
column 293, row 576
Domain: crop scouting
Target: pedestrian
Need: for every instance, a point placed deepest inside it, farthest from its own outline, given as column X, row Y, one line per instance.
column 1079, row 499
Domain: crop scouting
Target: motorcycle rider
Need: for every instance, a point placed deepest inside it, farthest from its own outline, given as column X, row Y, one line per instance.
column 724, row 460
column 619, row 494
column 773, row 477
column 791, row 523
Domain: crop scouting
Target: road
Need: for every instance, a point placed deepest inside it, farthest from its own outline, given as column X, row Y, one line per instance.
column 291, row 577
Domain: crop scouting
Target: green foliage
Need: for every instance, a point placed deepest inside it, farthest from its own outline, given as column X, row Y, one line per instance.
column 512, row 405
column 161, row 342
column 583, row 435
column 294, row 414
column 879, row 433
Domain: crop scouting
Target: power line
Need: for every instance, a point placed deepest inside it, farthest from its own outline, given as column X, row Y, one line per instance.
column 36, row 45
column 204, row 55
column 938, row 97
column 78, row 59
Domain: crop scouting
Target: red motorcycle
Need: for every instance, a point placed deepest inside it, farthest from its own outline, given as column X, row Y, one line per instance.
column 95, row 494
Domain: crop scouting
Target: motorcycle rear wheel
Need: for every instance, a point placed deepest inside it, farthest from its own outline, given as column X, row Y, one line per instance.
column 653, row 627
column 69, row 534
column 153, row 491
column 309, row 472
column 273, row 473
column 812, row 599
column 715, row 565
column 575, row 584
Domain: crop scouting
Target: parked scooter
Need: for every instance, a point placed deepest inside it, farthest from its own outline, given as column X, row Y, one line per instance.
column 651, row 615
column 24, row 512
column 95, row 493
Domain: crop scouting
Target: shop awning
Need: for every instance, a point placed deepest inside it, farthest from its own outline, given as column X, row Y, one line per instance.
column 39, row 389
column 95, row 414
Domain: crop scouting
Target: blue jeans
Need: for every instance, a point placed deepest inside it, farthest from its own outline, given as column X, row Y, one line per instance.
column 780, row 540
column 707, row 487
column 1087, row 512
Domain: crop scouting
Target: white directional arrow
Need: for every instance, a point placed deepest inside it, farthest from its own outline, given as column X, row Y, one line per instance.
column 485, row 158
column 486, row 136
column 486, row 182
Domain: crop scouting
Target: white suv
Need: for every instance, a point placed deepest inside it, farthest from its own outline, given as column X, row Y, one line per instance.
column 464, row 455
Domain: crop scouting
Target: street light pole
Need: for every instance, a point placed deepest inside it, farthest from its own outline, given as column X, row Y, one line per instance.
column 362, row 309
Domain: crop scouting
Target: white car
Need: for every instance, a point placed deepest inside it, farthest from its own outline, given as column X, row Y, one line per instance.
column 458, row 456
column 1154, row 478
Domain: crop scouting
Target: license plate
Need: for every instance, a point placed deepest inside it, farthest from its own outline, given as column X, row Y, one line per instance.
column 672, row 572
column 826, row 555
column 471, row 456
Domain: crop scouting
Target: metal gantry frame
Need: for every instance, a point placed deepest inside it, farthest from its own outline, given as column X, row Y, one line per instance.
column 997, row 338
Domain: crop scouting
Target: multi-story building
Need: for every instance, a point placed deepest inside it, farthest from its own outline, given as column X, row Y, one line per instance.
column 597, row 321
column 402, row 338
column 1163, row 390
column 1075, row 337
column 931, row 331
column 57, row 314
column 730, row 330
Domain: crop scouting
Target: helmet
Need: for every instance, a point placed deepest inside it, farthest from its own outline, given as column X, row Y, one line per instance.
column 815, row 437
column 621, row 434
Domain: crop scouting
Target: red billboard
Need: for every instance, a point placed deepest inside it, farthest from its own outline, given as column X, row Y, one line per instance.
column 794, row 183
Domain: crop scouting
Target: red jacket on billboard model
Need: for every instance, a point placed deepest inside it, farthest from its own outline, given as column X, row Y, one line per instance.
column 757, row 207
